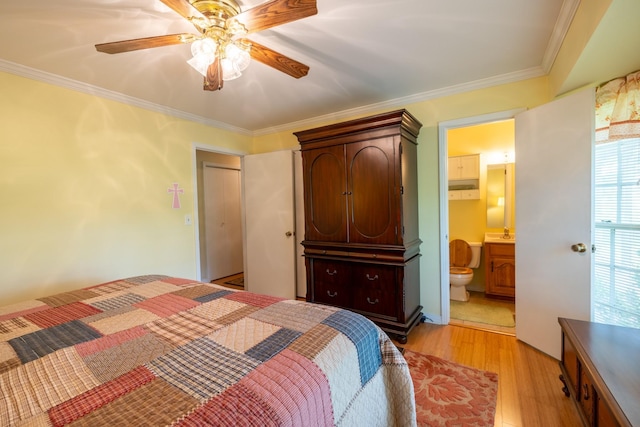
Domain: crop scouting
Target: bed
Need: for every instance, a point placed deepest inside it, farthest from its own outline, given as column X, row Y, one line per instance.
column 158, row 350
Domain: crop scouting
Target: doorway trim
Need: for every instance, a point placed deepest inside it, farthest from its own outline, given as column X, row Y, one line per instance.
column 443, row 129
column 196, row 146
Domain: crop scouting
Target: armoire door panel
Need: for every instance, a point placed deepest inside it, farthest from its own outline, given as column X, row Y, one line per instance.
column 370, row 180
column 326, row 186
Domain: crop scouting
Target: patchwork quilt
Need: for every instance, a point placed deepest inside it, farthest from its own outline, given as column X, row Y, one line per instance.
column 158, row 350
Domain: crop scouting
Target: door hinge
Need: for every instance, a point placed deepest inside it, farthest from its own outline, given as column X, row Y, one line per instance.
column 401, row 189
column 593, row 249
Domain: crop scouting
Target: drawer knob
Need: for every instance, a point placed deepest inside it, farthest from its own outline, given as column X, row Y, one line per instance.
column 372, row 278
column 585, row 395
column 332, row 295
column 372, row 302
column 332, row 273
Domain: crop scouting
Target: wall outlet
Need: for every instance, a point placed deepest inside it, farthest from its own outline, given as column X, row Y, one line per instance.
column 187, row 219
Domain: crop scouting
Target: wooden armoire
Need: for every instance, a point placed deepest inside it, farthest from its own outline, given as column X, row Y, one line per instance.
column 361, row 242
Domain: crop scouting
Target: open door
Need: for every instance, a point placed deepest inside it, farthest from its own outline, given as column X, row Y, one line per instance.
column 270, row 224
column 554, row 145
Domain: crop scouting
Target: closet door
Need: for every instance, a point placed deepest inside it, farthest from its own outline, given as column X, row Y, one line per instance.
column 223, row 226
column 373, row 207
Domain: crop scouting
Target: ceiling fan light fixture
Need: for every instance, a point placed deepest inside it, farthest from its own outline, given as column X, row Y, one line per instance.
column 239, row 55
column 204, row 53
column 229, row 70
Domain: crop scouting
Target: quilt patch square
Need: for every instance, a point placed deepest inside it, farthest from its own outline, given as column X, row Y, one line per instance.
column 166, row 304
column 140, row 407
column 115, row 361
column 256, row 300
column 68, row 297
column 183, row 327
column 40, row 343
column 116, row 301
column 225, row 410
column 217, row 293
column 286, row 382
column 16, row 327
column 21, row 308
column 314, row 341
column 89, row 401
column 202, row 368
column 44, row 390
column 364, row 334
column 111, row 287
column 120, row 322
column 141, row 280
column 243, row 334
column 273, row 344
column 195, row 292
column 153, row 289
column 61, row 314
column 292, row 315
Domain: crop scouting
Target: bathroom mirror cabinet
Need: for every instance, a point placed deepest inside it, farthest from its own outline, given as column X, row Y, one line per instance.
column 500, row 195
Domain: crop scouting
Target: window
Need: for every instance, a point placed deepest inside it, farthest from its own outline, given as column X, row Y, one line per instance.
column 616, row 289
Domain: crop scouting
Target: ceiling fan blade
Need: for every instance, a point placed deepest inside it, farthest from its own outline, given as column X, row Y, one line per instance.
column 277, row 60
column 275, row 12
column 213, row 79
column 144, row 43
column 184, row 8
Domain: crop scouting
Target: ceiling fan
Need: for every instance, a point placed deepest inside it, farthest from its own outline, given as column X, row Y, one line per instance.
column 220, row 51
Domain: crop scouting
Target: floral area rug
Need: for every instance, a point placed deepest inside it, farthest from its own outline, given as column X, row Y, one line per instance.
column 449, row 394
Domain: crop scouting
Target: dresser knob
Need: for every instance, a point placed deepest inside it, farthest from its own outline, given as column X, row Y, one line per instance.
column 335, row 294
column 372, row 302
column 585, row 395
column 372, row 278
column 332, row 273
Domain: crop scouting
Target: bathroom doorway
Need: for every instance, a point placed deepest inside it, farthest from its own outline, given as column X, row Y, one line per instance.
column 471, row 212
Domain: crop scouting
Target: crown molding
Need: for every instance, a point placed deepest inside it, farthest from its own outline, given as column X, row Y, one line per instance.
column 567, row 13
column 56, row 80
column 411, row 99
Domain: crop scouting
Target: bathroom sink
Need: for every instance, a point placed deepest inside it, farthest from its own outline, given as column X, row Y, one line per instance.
column 499, row 238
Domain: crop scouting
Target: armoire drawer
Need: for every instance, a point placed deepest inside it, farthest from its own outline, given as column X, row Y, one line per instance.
column 330, row 281
column 375, row 289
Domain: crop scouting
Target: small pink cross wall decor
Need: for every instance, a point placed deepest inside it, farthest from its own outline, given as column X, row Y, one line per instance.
column 176, row 198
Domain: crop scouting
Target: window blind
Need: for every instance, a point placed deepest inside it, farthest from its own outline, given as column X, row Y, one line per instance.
column 616, row 290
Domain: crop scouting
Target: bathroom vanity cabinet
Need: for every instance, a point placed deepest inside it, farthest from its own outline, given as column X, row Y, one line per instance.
column 361, row 243
column 600, row 372
column 500, row 270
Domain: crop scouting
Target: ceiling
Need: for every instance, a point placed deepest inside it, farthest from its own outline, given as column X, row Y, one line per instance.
column 361, row 54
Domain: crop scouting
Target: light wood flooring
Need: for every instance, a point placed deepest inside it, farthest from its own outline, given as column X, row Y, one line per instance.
column 529, row 391
column 479, row 298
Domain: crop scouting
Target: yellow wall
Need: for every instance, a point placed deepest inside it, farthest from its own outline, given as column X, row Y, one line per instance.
column 84, row 180
column 84, row 185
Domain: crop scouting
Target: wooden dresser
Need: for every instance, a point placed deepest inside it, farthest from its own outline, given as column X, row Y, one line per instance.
column 601, row 372
column 361, row 243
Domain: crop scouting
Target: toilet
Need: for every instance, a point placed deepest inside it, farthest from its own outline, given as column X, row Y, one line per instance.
column 463, row 257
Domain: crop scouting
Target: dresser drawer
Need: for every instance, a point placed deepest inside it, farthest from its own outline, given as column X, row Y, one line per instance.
column 375, row 289
column 587, row 395
column 330, row 282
